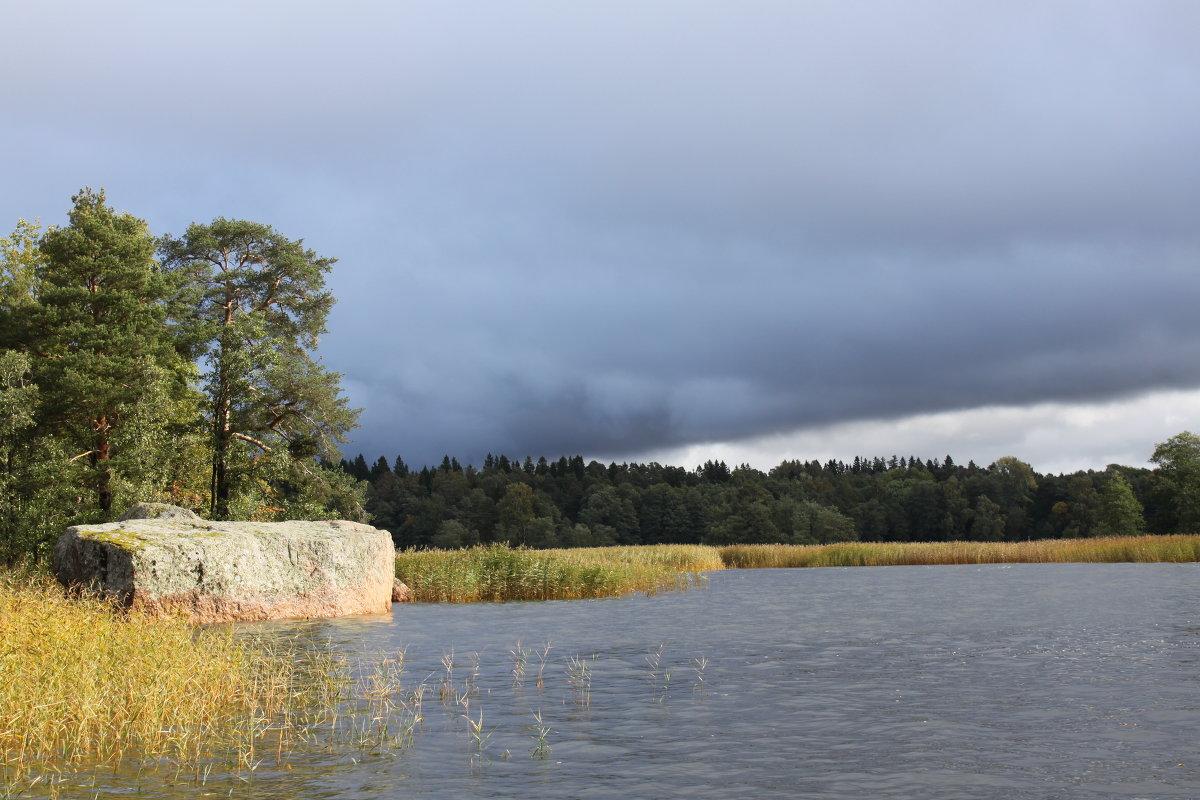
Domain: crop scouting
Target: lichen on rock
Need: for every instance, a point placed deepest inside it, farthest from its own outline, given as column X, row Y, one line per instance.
column 167, row 561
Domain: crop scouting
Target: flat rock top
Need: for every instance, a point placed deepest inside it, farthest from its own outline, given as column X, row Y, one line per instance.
column 132, row 533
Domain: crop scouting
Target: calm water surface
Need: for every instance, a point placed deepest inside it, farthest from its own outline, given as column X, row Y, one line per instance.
column 999, row 681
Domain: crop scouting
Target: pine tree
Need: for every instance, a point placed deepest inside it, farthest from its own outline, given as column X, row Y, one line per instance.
column 274, row 410
column 112, row 380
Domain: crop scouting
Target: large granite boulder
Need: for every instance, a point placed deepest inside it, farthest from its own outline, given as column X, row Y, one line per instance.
column 171, row 563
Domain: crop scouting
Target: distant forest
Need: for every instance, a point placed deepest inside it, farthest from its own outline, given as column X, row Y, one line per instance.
column 570, row 503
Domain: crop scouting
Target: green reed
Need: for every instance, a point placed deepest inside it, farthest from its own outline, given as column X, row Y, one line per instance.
column 496, row 573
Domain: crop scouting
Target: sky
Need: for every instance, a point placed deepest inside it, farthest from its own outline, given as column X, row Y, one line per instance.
column 674, row 230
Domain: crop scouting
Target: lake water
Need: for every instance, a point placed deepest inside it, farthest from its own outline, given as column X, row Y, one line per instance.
column 999, row 681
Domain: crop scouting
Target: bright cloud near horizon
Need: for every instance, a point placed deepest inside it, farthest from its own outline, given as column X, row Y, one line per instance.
column 675, row 230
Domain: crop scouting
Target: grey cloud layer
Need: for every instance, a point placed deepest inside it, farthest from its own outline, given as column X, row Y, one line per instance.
column 606, row 228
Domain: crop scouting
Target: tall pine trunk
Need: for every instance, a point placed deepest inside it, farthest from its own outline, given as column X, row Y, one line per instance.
column 221, row 440
column 101, row 462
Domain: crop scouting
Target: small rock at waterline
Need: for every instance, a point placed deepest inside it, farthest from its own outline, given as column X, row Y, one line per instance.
column 400, row 592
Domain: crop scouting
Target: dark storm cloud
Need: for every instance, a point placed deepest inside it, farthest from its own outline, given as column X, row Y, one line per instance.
column 611, row 227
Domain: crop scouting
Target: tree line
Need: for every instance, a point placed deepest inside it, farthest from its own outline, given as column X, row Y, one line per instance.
column 181, row 369
column 570, row 503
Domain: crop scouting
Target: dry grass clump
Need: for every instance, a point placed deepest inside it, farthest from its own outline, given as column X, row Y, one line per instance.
column 80, row 681
column 878, row 554
column 496, row 573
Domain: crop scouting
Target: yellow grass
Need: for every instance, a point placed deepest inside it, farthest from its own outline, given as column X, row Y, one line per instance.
column 679, row 557
column 878, row 554
column 498, row 573
column 81, row 682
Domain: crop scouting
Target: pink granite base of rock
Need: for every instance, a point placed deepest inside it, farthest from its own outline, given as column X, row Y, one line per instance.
column 204, row 609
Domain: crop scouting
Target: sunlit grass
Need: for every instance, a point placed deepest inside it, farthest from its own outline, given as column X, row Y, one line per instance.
column 81, row 682
column 498, row 573
column 878, row 554
column 681, row 557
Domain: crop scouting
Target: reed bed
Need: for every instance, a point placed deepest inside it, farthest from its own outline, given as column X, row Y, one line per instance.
column 679, row 557
column 1178, row 548
column 81, row 682
column 498, row 573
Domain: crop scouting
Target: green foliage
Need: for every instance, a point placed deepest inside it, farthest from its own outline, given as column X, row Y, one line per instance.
column 453, row 535
column 113, row 384
column 1120, row 513
column 812, row 523
column 1083, row 507
column 261, row 305
column 18, row 398
column 987, row 523
column 750, row 522
column 277, row 487
column 20, row 260
column 605, row 506
column 1014, row 485
column 100, row 401
column 35, row 502
column 1178, row 461
column 515, row 511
